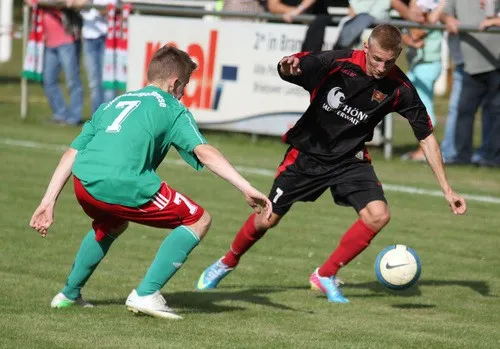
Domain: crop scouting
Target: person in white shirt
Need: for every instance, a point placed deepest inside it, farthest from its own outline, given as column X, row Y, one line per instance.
column 94, row 31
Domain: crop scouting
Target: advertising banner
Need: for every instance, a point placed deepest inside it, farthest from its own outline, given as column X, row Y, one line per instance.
column 236, row 86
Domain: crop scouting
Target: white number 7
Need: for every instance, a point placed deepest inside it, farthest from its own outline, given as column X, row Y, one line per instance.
column 279, row 192
column 128, row 107
column 179, row 197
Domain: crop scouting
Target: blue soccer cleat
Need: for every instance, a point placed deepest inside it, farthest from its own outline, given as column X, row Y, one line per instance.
column 211, row 277
column 329, row 286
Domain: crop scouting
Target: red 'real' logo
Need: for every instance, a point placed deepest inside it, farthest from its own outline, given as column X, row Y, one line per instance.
column 202, row 78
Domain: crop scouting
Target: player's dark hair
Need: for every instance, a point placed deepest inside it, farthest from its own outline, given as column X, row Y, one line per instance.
column 168, row 61
column 388, row 37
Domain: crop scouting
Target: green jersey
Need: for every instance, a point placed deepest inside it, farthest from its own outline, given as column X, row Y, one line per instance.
column 120, row 148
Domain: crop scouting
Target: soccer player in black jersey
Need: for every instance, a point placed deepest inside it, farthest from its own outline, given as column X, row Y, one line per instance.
column 351, row 91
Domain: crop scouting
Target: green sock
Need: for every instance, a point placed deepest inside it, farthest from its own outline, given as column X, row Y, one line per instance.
column 89, row 255
column 172, row 253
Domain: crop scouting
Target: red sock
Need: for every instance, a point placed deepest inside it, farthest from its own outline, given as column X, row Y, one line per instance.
column 354, row 241
column 246, row 237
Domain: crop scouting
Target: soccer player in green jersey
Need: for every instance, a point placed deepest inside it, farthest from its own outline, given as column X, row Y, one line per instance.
column 113, row 162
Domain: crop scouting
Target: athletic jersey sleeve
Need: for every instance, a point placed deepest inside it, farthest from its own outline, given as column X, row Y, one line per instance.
column 411, row 107
column 88, row 131
column 314, row 67
column 185, row 137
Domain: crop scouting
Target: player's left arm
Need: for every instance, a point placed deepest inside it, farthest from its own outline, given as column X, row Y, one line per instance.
column 411, row 107
column 218, row 164
column 185, row 136
column 430, row 146
column 196, row 151
column 43, row 217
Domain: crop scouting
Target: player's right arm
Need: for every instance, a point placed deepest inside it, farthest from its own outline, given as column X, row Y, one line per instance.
column 43, row 217
column 307, row 69
column 212, row 158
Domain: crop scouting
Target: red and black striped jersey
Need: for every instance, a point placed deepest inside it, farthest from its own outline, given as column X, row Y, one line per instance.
column 347, row 104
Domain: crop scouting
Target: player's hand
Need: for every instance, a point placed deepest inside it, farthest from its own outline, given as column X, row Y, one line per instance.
column 42, row 219
column 290, row 65
column 456, row 202
column 258, row 201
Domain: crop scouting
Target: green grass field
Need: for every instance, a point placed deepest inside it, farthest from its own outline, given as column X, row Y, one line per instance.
column 266, row 302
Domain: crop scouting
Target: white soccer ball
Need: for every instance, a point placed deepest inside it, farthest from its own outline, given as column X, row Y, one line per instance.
column 397, row 267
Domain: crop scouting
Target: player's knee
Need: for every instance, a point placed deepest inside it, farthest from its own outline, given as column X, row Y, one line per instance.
column 263, row 224
column 201, row 227
column 117, row 231
column 376, row 217
column 206, row 220
column 383, row 218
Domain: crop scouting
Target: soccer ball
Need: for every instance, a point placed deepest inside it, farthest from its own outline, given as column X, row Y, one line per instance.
column 397, row 267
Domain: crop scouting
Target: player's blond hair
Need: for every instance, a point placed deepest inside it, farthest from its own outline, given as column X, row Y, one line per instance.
column 168, row 61
column 387, row 37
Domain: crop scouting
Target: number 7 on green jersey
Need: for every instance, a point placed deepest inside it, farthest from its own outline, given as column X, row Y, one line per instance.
column 128, row 107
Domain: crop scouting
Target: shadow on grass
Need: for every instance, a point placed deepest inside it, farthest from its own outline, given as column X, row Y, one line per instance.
column 10, row 79
column 480, row 287
column 378, row 290
column 413, row 306
column 15, row 80
column 208, row 301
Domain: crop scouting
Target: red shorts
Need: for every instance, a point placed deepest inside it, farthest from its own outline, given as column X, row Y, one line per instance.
column 167, row 209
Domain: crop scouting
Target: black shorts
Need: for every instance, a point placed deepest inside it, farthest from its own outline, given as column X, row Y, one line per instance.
column 300, row 177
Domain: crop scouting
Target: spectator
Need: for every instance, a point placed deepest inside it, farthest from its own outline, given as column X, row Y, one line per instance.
column 363, row 13
column 61, row 37
column 448, row 144
column 94, row 31
column 490, row 22
column 424, row 58
column 289, row 9
column 254, row 6
column 481, row 83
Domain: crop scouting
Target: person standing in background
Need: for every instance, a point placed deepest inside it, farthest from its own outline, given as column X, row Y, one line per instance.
column 289, row 9
column 363, row 13
column 94, row 31
column 254, row 6
column 61, row 37
column 424, row 57
column 481, row 83
column 448, row 143
column 482, row 155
